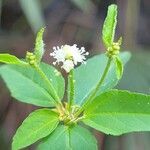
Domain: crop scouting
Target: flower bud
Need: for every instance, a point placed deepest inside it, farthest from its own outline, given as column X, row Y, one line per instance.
column 114, row 49
column 30, row 58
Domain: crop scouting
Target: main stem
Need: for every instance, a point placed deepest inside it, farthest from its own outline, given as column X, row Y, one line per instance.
column 52, row 91
column 94, row 91
column 70, row 89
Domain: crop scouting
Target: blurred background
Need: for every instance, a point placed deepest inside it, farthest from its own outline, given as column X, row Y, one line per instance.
column 75, row 22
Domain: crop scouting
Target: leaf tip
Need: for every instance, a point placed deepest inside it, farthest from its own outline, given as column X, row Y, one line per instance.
column 109, row 26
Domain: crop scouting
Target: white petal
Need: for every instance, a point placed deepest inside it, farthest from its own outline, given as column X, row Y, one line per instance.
column 69, row 55
column 68, row 65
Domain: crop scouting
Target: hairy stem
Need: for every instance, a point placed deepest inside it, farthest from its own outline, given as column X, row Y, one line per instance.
column 52, row 90
column 70, row 89
column 94, row 91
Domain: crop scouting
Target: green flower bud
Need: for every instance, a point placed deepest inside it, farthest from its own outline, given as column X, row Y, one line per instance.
column 32, row 62
column 116, row 46
column 114, row 49
column 32, row 57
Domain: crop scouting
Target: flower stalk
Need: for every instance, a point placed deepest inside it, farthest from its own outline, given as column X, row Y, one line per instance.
column 71, row 91
column 94, row 91
column 111, row 53
column 31, row 59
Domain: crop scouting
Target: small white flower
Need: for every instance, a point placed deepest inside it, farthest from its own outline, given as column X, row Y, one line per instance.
column 58, row 54
column 68, row 65
column 69, row 55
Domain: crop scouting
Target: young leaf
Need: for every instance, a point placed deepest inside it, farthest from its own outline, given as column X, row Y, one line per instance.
column 109, row 26
column 26, row 85
column 39, row 45
column 69, row 138
column 37, row 125
column 117, row 112
column 119, row 67
column 87, row 76
column 10, row 59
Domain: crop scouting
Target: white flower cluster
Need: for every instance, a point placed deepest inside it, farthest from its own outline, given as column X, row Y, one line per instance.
column 69, row 56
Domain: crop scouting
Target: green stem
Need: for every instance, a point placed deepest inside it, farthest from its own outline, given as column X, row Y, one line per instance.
column 52, row 90
column 70, row 89
column 94, row 91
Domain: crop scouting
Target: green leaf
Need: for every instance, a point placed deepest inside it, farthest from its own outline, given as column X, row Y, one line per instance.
column 69, row 138
column 138, row 69
column 26, row 85
column 117, row 112
column 87, row 76
column 109, row 26
column 56, row 79
column 119, row 67
column 10, row 59
column 39, row 45
column 37, row 125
